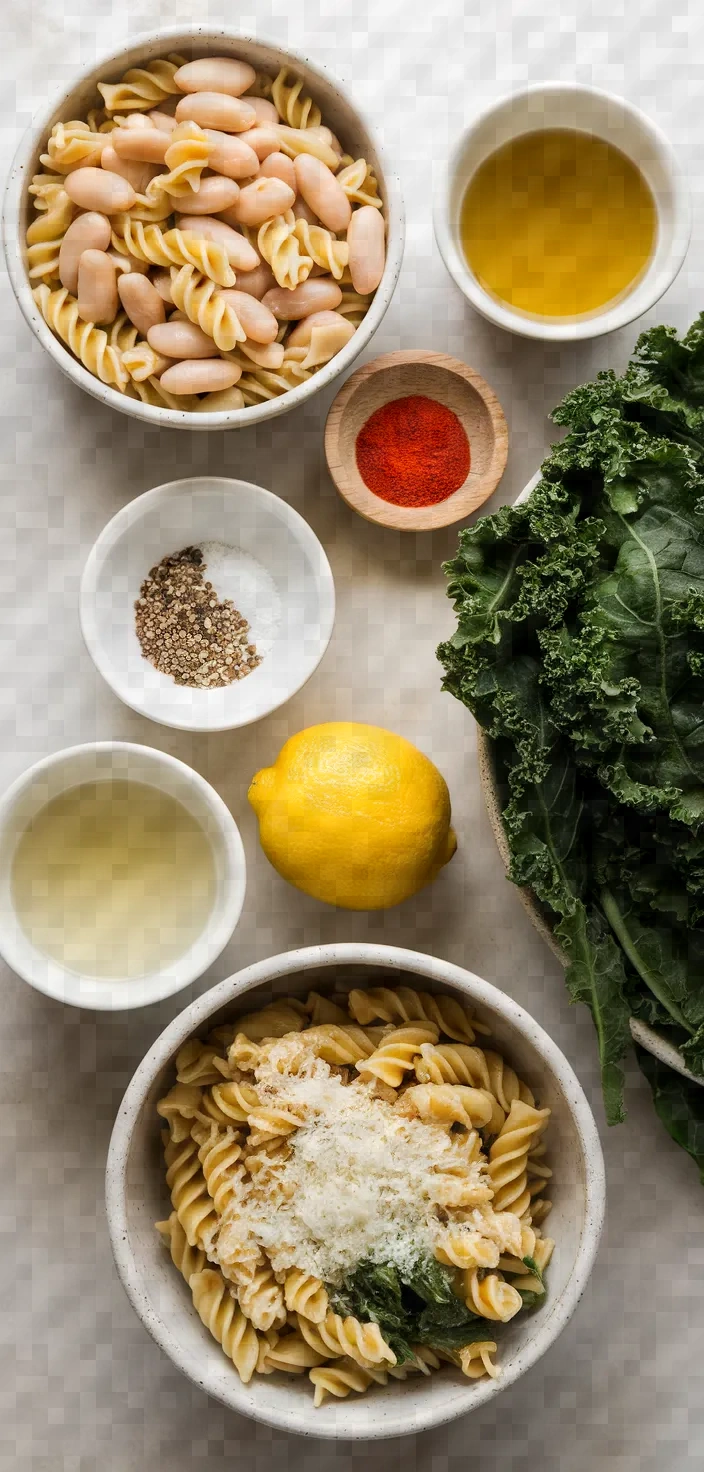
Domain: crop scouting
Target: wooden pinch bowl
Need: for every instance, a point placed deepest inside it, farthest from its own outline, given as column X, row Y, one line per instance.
column 435, row 376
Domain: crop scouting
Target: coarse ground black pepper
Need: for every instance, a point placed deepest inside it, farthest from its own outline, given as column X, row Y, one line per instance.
column 185, row 631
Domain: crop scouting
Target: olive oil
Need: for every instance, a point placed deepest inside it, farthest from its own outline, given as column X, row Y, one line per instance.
column 558, row 223
column 113, row 879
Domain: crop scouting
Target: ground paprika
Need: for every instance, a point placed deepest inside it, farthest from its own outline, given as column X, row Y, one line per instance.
column 413, row 452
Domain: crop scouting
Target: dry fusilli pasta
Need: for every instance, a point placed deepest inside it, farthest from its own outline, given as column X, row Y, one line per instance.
column 142, row 87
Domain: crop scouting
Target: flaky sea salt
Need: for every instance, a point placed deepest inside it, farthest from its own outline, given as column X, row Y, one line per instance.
column 237, row 575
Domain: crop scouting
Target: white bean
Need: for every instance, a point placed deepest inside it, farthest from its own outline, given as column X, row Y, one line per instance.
column 136, row 174
column 231, row 155
column 322, row 295
column 148, row 145
column 181, row 340
column 215, row 194
column 217, row 403
column 263, row 198
column 96, row 189
column 136, row 120
column 303, row 211
column 200, row 376
column 278, row 166
column 240, row 253
column 365, row 238
column 322, row 193
column 88, row 232
column 216, row 110
column 267, row 116
column 97, row 287
column 162, row 281
column 264, row 140
column 162, row 120
column 301, row 335
column 257, row 282
column 259, row 323
column 215, row 74
column 141, row 301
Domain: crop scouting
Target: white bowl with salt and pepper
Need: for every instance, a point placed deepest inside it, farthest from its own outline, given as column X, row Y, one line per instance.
column 261, row 559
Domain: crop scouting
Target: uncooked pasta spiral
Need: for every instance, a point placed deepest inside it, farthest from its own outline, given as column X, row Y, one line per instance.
column 274, row 1020
column 291, row 1353
column 142, row 362
column 151, row 392
column 305, row 1295
column 46, row 190
column 321, row 1010
column 172, row 248
column 186, row 157
column 353, row 306
column 262, row 1299
column 187, row 1259
column 204, row 304
column 235, row 1100
column 262, row 384
column 71, row 146
column 222, row 1315
column 219, row 1150
column 279, row 245
column 450, row 1104
column 397, row 1054
column 489, row 1295
column 89, row 343
column 402, row 1004
column 195, row 1063
column 122, row 334
column 361, row 1342
column 189, row 1193
column 508, row 1157
column 44, row 237
column 340, row 1379
column 359, row 182
column 452, row 1063
column 293, row 104
column 179, row 1108
column 142, row 87
column 151, row 209
column 504, row 1082
column 475, row 1359
column 320, row 245
column 99, row 122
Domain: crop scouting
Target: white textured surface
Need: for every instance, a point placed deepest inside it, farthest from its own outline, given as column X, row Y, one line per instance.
column 83, row 1385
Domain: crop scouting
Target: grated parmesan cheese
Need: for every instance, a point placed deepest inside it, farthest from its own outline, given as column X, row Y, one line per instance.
column 358, row 1179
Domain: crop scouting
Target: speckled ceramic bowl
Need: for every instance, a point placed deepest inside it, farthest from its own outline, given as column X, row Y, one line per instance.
column 339, row 112
column 136, row 1197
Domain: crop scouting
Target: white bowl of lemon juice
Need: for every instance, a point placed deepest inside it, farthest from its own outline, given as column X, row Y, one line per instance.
column 562, row 213
column 122, row 875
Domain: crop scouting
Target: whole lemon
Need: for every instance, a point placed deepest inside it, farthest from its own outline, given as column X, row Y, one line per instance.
column 354, row 815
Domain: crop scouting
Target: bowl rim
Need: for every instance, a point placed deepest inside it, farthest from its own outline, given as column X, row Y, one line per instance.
column 430, row 968
column 215, row 936
column 130, row 515
column 166, row 418
column 609, row 319
column 423, row 518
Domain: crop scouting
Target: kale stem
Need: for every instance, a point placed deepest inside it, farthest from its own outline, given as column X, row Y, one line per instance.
column 663, row 994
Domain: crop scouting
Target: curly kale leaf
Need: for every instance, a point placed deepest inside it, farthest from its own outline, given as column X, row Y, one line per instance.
column 417, row 1305
column 679, row 1104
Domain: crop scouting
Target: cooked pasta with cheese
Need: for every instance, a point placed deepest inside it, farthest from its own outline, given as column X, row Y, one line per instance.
column 356, row 1188
column 227, row 192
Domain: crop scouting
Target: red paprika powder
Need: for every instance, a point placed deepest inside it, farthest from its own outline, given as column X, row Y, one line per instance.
column 413, row 451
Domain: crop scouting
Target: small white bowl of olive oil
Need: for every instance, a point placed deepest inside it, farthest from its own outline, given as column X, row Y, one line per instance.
column 122, row 875
column 562, row 213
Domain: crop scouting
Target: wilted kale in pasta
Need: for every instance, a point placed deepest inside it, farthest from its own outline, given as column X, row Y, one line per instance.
column 580, row 650
column 415, row 1305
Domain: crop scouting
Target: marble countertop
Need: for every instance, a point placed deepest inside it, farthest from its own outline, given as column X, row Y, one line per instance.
column 82, row 1385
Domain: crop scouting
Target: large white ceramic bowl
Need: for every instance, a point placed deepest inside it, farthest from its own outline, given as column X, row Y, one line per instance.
column 589, row 110
column 136, row 1197
column 340, row 113
column 185, row 513
column 97, row 762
